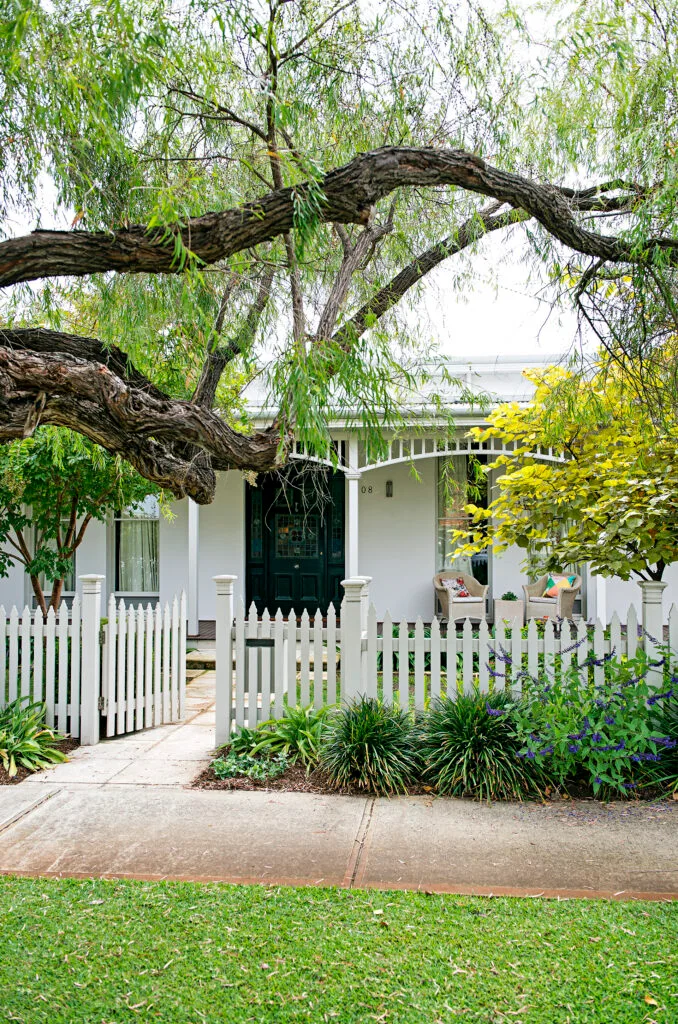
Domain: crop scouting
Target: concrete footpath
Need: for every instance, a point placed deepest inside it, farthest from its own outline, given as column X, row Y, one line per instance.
column 124, row 809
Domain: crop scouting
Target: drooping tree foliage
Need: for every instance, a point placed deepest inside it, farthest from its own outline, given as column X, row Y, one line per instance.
column 262, row 184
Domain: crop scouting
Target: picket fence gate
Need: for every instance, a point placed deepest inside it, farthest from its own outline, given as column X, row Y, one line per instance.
column 131, row 669
column 143, row 665
column 264, row 663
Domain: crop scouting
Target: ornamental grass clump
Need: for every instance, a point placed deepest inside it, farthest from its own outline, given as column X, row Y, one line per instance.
column 371, row 746
column 664, row 733
column 25, row 740
column 470, row 748
column 596, row 733
column 297, row 735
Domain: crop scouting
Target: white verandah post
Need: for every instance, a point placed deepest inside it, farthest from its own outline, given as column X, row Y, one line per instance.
column 193, row 555
column 353, row 476
column 90, row 665
column 224, row 658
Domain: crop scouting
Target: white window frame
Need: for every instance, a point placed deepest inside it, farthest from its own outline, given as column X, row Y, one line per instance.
column 124, row 516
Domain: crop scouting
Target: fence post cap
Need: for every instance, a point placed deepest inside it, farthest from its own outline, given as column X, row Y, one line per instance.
column 353, row 587
column 224, row 584
column 91, row 582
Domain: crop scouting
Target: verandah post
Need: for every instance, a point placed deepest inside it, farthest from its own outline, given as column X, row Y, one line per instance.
column 224, row 658
column 90, row 658
column 352, row 676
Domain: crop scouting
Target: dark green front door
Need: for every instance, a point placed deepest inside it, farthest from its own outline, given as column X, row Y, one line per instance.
column 295, row 541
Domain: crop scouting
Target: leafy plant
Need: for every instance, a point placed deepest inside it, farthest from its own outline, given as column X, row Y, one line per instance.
column 297, row 735
column 601, row 731
column 509, row 596
column 52, row 485
column 25, row 740
column 470, row 748
column 260, row 769
column 372, row 746
column 242, row 742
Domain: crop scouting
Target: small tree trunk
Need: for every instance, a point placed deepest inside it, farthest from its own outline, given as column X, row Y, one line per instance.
column 57, row 587
column 39, row 595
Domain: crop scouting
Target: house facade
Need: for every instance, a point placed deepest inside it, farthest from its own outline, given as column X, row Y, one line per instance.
column 291, row 539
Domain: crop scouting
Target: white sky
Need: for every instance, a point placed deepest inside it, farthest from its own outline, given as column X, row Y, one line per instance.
column 503, row 308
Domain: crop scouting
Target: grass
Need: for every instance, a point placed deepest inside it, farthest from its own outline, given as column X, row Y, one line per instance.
column 182, row 953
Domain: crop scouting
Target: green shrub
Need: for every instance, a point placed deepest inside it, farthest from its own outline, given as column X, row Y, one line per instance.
column 372, row 746
column 233, row 765
column 25, row 740
column 470, row 748
column 596, row 733
column 297, row 735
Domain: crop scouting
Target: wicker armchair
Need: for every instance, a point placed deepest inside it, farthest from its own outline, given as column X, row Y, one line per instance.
column 560, row 607
column 454, row 608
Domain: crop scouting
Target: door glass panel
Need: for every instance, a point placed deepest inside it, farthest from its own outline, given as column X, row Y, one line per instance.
column 256, row 534
column 297, row 536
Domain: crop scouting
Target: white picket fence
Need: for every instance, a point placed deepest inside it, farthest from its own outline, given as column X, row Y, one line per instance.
column 36, row 661
column 143, row 665
column 264, row 663
column 132, row 670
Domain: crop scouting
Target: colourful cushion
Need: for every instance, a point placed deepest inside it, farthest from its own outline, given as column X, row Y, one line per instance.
column 556, row 583
column 456, row 587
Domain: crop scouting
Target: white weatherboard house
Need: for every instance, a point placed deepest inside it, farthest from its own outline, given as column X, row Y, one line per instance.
column 291, row 546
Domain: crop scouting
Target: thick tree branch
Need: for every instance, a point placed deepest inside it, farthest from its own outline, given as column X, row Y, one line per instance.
column 349, row 194
column 146, row 427
column 353, row 258
column 470, row 231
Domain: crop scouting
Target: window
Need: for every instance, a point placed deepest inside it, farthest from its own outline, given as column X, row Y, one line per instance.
column 136, row 548
column 461, row 481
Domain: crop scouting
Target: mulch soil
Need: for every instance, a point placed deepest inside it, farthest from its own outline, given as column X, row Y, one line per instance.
column 65, row 745
column 294, row 780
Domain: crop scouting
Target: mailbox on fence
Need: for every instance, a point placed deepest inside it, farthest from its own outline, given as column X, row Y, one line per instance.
column 259, row 672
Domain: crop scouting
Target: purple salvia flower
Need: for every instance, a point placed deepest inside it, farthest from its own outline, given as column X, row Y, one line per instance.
column 495, row 711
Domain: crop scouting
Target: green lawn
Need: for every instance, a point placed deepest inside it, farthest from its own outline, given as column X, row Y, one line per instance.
column 82, row 952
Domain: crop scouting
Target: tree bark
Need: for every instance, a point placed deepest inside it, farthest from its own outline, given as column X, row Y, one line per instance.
column 122, row 414
column 349, row 193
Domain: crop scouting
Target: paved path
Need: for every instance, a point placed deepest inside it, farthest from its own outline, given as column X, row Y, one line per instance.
column 124, row 809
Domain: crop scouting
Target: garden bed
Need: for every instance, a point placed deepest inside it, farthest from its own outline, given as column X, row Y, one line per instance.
column 65, row 746
column 295, row 779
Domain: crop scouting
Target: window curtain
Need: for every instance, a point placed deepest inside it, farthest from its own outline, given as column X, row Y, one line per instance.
column 452, row 497
column 138, row 556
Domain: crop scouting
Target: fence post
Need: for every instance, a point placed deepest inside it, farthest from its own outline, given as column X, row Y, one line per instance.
column 352, row 681
column 90, row 664
column 653, row 624
column 224, row 658
column 365, row 601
